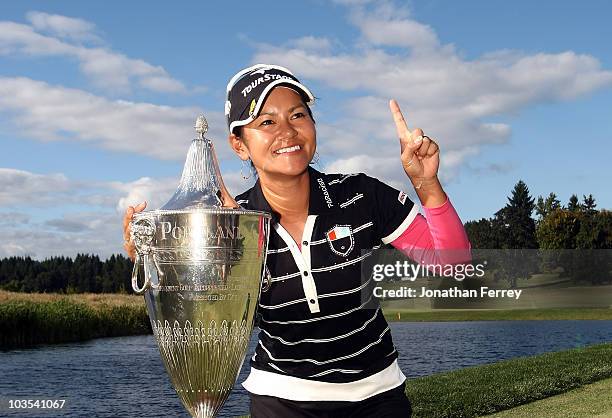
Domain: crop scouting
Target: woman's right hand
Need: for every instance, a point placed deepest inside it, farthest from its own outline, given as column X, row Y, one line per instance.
column 128, row 244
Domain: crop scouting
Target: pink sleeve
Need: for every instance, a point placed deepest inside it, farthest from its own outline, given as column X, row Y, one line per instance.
column 440, row 229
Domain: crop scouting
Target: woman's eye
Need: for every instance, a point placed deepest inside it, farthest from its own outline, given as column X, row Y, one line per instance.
column 298, row 115
column 266, row 122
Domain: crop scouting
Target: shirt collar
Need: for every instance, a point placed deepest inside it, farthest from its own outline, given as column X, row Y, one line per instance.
column 322, row 199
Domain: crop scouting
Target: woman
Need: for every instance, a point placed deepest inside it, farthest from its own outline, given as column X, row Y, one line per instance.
column 323, row 350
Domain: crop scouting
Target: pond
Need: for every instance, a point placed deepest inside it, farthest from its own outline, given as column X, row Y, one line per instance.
column 124, row 377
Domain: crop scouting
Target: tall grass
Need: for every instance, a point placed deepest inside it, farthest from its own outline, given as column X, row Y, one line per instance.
column 60, row 319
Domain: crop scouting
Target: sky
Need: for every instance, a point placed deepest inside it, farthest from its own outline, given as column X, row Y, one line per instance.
column 98, row 100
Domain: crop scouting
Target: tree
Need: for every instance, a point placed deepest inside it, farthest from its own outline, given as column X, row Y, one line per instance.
column 482, row 234
column 588, row 204
column 564, row 229
column 573, row 205
column 514, row 221
column 86, row 273
column 558, row 230
column 546, row 206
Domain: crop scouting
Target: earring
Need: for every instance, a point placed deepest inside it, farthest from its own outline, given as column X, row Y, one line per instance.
column 244, row 163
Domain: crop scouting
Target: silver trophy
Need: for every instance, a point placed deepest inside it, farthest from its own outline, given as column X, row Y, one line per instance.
column 201, row 265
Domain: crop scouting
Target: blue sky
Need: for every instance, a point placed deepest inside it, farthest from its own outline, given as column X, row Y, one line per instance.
column 97, row 100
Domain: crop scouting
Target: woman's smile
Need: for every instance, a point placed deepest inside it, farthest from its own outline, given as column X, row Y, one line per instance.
column 289, row 150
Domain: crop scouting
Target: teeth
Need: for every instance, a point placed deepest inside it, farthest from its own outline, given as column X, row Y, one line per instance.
column 288, row 149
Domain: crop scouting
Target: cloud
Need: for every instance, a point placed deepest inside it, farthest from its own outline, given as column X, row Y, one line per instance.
column 90, row 213
column 388, row 25
column 155, row 192
column 457, row 101
column 14, row 218
column 63, row 26
column 106, row 68
column 312, row 43
column 90, row 232
column 84, row 217
column 24, row 188
column 47, row 112
column 67, row 225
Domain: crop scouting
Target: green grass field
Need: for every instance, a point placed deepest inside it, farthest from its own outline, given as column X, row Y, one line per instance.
column 566, row 384
column 487, row 389
column 542, row 295
column 408, row 315
column 589, row 401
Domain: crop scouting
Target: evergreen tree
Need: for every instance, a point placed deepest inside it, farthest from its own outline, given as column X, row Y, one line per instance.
column 588, row 204
column 514, row 221
column 86, row 273
column 573, row 205
column 546, row 206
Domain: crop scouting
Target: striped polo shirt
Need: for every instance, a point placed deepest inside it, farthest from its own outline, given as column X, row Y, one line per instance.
column 319, row 335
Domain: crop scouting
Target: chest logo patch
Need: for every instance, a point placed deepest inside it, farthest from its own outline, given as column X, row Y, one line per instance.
column 340, row 239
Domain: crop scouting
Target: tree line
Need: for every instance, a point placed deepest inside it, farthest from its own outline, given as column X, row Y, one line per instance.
column 575, row 225
column 555, row 229
column 84, row 273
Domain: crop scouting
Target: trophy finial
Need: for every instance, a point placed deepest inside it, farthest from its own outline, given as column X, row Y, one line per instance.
column 201, row 182
column 201, row 126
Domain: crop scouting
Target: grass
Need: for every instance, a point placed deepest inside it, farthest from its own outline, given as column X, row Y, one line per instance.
column 408, row 315
column 572, row 383
column 588, row 401
column 30, row 319
column 482, row 390
column 551, row 301
column 95, row 300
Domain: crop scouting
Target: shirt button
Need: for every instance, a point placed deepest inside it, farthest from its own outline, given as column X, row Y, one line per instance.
column 305, row 273
column 312, row 301
column 304, row 242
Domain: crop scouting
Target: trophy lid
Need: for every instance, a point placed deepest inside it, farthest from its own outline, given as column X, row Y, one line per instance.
column 201, row 182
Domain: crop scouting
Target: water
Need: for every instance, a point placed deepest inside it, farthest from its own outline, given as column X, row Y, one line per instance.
column 124, row 377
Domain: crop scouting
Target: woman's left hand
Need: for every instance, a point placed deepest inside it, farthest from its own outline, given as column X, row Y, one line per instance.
column 420, row 154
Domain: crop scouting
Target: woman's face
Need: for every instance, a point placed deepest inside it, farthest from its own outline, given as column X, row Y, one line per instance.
column 282, row 140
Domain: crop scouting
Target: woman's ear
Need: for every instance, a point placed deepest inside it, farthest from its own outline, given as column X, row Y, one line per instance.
column 238, row 146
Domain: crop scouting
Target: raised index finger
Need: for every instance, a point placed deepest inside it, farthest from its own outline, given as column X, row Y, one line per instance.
column 400, row 123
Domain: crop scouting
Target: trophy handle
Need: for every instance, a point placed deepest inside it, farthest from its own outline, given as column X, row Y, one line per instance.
column 147, row 275
column 142, row 231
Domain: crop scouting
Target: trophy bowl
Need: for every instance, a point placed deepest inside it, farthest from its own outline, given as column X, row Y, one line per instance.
column 201, row 266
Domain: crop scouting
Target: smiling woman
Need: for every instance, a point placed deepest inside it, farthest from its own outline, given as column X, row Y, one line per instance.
column 323, row 350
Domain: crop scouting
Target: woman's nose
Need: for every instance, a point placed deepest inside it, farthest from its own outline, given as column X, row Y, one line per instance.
column 286, row 130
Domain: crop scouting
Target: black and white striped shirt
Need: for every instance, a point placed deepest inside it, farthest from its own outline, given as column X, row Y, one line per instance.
column 316, row 332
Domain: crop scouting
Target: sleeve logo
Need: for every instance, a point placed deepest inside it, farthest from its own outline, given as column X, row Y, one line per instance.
column 402, row 197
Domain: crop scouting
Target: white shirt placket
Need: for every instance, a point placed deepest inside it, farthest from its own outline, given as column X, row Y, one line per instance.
column 302, row 260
